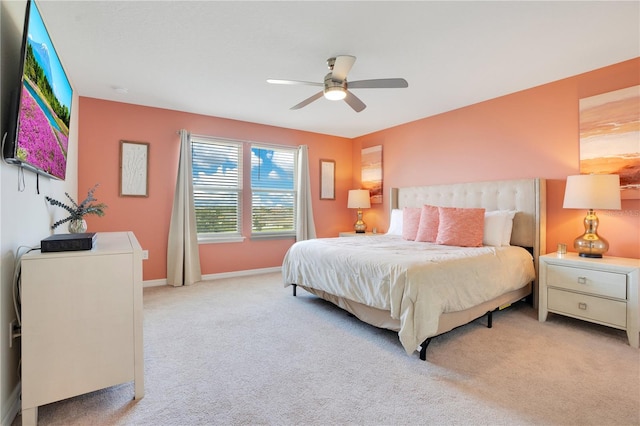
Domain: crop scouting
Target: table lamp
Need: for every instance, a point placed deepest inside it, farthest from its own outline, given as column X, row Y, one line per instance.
column 592, row 192
column 359, row 199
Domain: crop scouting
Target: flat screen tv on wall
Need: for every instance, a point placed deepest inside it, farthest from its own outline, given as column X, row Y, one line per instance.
column 38, row 127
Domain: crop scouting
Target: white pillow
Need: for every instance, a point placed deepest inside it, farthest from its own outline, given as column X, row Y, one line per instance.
column 395, row 224
column 508, row 227
column 497, row 227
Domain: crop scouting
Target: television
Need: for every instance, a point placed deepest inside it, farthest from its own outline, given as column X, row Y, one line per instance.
column 37, row 135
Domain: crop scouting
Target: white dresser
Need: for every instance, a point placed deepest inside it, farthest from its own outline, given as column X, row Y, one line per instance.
column 603, row 291
column 81, row 321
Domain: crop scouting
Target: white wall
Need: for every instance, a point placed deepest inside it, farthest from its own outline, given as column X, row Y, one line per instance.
column 25, row 217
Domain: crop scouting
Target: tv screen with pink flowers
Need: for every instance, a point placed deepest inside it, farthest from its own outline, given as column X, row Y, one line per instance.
column 38, row 133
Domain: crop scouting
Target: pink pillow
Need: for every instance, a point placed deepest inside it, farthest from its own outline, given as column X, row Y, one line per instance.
column 410, row 222
column 428, row 227
column 460, row 227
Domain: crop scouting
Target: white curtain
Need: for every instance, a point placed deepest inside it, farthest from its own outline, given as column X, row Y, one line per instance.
column 305, row 228
column 183, row 259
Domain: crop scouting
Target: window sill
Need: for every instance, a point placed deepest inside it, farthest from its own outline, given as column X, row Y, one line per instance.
column 240, row 238
column 272, row 236
column 216, row 240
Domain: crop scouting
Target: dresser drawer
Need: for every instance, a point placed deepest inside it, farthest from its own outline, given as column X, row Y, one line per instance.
column 606, row 311
column 600, row 283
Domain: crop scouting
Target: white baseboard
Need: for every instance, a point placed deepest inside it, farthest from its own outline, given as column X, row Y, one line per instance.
column 154, row 283
column 161, row 282
column 14, row 404
column 241, row 273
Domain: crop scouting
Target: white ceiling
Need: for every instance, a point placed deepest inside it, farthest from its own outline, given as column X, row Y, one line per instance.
column 214, row 57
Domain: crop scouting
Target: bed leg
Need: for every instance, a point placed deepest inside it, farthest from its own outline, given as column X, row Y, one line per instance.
column 489, row 319
column 294, row 289
column 423, row 349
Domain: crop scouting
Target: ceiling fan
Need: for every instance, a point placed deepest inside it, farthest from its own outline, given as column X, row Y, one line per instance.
column 335, row 86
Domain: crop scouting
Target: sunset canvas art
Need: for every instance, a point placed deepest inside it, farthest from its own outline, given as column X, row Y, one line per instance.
column 372, row 172
column 610, row 137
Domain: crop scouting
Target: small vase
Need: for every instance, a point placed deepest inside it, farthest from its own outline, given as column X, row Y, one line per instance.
column 77, row 226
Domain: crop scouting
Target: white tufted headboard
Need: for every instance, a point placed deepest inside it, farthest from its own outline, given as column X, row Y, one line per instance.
column 527, row 196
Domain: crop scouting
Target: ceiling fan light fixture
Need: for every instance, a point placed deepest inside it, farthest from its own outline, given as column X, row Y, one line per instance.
column 336, row 87
column 334, row 90
column 335, row 93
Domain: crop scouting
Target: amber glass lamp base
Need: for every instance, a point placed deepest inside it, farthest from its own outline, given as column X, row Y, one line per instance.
column 360, row 227
column 590, row 244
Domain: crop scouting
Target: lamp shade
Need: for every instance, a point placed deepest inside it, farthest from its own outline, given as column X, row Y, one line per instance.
column 592, row 192
column 359, row 199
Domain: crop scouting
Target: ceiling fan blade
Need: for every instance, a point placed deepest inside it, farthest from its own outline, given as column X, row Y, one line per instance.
column 380, row 83
column 354, row 102
column 296, row 82
column 342, row 66
column 308, row 100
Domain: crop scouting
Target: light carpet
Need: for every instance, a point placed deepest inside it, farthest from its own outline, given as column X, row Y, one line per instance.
column 244, row 351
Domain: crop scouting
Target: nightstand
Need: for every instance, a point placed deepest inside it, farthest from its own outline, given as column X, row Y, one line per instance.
column 354, row 234
column 603, row 291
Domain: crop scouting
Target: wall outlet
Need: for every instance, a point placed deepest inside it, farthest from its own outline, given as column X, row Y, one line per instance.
column 14, row 331
column 145, row 254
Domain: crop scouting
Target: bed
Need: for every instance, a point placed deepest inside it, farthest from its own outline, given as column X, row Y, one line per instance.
column 423, row 289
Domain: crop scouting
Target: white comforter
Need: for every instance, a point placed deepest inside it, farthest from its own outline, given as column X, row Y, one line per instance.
column 415, row 281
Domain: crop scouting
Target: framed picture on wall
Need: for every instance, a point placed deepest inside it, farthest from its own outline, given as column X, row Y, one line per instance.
column 327, row 180
column 610, row 137
column 134, row 169
column 372, row 172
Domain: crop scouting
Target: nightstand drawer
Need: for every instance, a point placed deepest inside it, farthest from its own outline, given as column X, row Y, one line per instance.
column 589, row 307
column 601, row 283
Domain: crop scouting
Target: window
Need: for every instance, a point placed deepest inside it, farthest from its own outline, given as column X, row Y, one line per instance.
column 217, row 188
column 273, row 191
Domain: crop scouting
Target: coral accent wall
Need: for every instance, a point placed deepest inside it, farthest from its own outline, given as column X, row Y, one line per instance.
column 104, row 123
column 532, row 133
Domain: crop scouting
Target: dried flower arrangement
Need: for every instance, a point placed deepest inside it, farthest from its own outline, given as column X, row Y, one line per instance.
column 78, row 211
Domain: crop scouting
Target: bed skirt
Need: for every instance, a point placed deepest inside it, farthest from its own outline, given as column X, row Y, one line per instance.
column 448, row 320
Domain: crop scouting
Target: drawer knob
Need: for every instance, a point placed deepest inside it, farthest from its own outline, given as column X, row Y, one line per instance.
column 582, row 306
column 582, row 280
